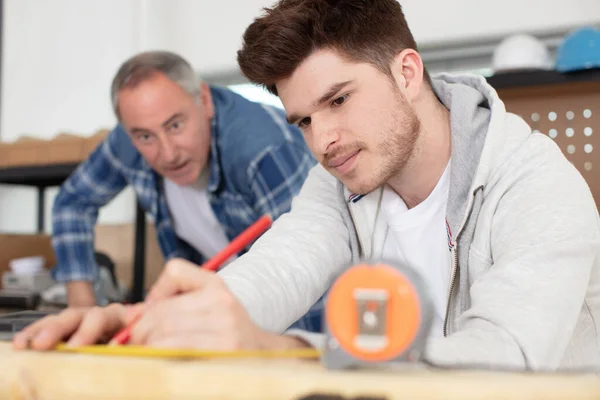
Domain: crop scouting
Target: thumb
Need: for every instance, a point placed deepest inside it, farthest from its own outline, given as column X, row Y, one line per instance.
column 180, row 276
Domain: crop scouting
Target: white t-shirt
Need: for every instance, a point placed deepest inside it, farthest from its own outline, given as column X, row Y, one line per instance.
column 193, row 218
column 418, row 238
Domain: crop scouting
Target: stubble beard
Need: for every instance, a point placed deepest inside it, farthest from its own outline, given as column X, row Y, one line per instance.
column 395, row 150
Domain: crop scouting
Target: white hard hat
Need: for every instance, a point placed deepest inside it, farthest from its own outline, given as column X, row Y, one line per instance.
column 521, row 52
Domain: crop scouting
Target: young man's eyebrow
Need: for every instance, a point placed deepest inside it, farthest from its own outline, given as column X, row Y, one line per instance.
column 331, row 92
column 328, row 95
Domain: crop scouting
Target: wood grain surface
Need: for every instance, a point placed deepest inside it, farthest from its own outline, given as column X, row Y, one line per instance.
column 64, row 376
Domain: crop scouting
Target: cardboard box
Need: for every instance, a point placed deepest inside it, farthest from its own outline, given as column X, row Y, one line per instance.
column 22, row 245
column 117, row 241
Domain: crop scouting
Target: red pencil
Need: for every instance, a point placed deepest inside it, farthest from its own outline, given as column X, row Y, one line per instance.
column 237, row 244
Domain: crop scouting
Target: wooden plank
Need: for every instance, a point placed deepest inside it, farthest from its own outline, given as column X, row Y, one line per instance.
column 65, row 376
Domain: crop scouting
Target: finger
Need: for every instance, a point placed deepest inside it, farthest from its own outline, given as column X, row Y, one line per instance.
column 49, row 331
column 35, row 327
column 97, row 323
column 21, row 340
column 180, row 276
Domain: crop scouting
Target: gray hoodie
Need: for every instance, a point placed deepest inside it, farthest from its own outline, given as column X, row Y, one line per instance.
column 525, row 289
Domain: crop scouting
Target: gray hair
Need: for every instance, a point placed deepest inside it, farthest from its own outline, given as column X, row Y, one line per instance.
column 141, row 66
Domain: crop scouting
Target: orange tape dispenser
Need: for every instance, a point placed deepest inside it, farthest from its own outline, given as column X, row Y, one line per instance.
column 376, row 313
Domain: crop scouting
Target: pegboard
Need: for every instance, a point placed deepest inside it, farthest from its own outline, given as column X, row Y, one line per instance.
column 570, row 115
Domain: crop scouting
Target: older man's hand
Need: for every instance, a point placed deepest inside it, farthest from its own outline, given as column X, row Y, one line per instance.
column 79, row 326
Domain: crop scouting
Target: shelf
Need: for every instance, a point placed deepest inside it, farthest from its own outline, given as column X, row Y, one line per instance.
column 541, row 77
column 37, row 175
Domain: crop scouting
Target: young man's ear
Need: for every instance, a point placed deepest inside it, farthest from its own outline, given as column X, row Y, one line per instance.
column 408, row 70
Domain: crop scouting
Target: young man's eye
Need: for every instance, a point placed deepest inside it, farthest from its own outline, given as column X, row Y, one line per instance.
column 339, row 100
column 304, row 122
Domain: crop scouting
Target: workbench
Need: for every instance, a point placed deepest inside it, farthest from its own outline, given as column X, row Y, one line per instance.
column 64, row 376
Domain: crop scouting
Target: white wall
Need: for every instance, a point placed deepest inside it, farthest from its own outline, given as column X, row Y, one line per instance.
column 436, row 22
column 58, row 60
column 59, row 57
column 208, row 32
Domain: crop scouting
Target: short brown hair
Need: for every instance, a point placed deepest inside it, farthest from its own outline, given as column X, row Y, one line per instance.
column 275, row 44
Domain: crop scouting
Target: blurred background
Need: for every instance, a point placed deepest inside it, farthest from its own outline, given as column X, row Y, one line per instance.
column 58, row 58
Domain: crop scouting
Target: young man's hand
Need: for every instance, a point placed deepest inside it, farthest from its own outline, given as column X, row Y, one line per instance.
column 189, row 307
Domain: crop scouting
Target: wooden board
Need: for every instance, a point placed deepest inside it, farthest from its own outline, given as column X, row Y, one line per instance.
column 64, row 376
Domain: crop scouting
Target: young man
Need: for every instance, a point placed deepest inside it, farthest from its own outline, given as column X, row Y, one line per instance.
column 433, row 173
column 204, row 162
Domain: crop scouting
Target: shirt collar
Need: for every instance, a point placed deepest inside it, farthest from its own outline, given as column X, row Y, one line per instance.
column 214, row 161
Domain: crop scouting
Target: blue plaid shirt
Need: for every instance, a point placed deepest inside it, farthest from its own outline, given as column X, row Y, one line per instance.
column 258, row 163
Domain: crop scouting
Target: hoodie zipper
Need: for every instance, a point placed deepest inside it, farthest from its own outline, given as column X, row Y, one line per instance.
column 452, row 279
column 455, row 260
column 360, row 247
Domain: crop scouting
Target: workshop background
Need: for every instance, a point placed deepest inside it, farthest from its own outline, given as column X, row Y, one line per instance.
column 58, row 58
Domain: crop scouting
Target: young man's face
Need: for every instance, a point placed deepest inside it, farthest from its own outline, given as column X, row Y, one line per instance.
column 355, row 119
column 170, row 128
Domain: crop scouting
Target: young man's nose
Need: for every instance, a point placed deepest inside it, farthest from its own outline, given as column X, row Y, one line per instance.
column 325, row 134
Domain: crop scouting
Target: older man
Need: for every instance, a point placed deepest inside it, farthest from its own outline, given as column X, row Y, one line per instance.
column 204, row 162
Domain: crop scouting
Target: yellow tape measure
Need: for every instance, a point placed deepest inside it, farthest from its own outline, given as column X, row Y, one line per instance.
column 150, row 352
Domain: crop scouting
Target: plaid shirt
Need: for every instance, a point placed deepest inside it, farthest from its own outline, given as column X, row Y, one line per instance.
column 258, row 163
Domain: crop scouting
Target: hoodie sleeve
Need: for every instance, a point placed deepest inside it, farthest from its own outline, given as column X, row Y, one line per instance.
column 292, row 264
